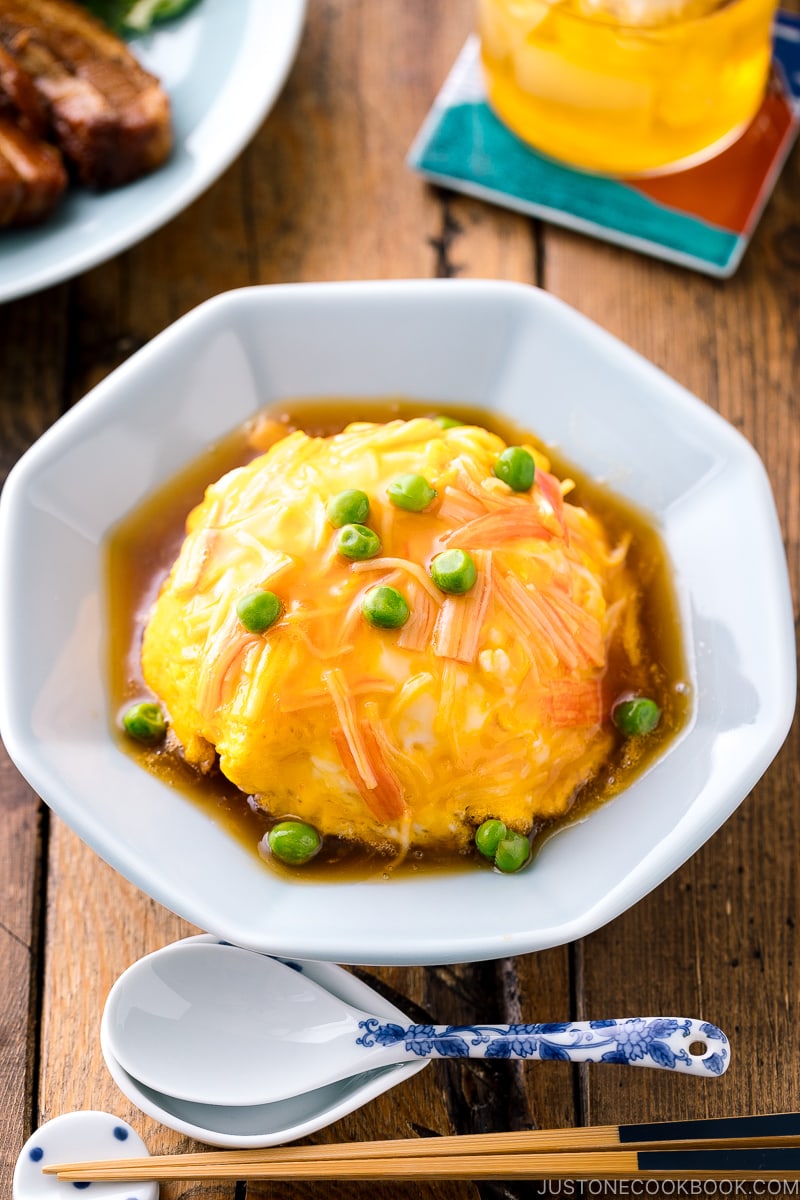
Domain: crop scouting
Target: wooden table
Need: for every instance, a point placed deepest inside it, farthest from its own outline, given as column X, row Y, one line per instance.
column 323, row 193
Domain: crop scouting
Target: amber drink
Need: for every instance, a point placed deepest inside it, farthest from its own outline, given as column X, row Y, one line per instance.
column 626, row 87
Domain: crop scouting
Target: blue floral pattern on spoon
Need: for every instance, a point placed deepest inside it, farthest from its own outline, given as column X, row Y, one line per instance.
column 669, row 1043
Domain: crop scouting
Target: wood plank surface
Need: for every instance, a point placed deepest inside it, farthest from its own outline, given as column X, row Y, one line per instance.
column 32, row 356
column 322, row 192
column 20, row 856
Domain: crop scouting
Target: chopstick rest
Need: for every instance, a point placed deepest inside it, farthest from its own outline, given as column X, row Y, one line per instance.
column 87, row 1133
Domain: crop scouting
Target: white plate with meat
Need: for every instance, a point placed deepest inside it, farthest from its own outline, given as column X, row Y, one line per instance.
column 222, row 66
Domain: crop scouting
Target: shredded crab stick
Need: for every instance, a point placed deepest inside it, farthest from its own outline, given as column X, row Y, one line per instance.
column 385, row 798
column 417, row 633
column 460, row 621
column 550, row 487
column 458, row 506
column 575, row 702
column 343, row 701
column 371, row 705
column 496, row 528
column 362, row 756
column 293, row 702
column 226, row 648
column 401, row 564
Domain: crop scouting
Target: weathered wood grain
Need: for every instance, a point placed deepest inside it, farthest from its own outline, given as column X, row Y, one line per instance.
column 20, row 855
column 717, row 939
column 323, row 192
column 97, row 925
column 32, row 358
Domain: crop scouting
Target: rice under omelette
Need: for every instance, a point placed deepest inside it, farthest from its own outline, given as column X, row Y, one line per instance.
column 486, row 704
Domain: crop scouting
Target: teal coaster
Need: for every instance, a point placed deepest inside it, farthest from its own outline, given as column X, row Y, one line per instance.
column 702, row 217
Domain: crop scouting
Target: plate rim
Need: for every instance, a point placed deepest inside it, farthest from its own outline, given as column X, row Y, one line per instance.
column 414, row 947
column 207, row 169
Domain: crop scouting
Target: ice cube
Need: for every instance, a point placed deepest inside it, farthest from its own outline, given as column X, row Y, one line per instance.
column 646, row 13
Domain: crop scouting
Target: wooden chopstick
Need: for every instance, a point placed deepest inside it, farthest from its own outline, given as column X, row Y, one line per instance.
column 752, row 1163
column 543, row 1150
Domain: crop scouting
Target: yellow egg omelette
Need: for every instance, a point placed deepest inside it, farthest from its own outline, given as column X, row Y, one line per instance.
column 390, row 701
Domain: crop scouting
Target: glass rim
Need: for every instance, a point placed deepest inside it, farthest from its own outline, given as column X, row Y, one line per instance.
column 604, row 20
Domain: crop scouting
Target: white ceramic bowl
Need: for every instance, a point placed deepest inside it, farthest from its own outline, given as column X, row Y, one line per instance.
column 500, row 346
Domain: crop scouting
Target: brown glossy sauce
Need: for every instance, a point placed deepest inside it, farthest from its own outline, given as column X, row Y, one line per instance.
column 142, row 547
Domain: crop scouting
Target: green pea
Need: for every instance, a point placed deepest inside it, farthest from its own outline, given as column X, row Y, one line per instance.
column 410, row 492
column 516, row 467
column 447, row 422
column 294, row 842
column 488, row 836
column 453, row 571
column 512, row 853
column 636, row 717
column 258, row 610
column 348, row 507
column 145, row 722
column 357, row 542
column 385, row 608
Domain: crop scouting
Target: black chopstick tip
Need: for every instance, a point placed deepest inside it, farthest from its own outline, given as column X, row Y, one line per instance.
column 765, row 1160
column 718, row 1129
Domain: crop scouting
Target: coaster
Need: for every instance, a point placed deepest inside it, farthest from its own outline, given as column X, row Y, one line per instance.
column 702, row 217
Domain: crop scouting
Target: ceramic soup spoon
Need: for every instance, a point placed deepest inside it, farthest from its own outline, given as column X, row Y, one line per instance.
column 216, row 1024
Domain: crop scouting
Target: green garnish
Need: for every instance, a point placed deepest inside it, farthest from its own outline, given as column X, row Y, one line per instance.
column 385, row 608
column 515, row 466
column 512, row 853
column 348, row 508
column 447, row 422
column 358, row 542
column 453, row 571
column 411, row 492
column 258, row 610
column 144, row 13
column 489, row 835
column 136, row 16
column 294, row 842
column 145, row 722
column 636, row 717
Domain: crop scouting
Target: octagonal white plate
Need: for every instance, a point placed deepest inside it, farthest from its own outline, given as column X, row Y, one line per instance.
column 501, row 346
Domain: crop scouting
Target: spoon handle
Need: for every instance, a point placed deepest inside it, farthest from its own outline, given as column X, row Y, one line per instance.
column 669, row 1043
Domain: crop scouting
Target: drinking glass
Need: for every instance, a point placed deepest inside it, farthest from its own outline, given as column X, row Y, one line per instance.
column 626, row 87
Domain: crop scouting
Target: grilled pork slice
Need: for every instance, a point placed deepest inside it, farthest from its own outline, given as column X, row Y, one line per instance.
column 32, row 176
column 19, row 98
column 32, row 173
column 110, row 117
